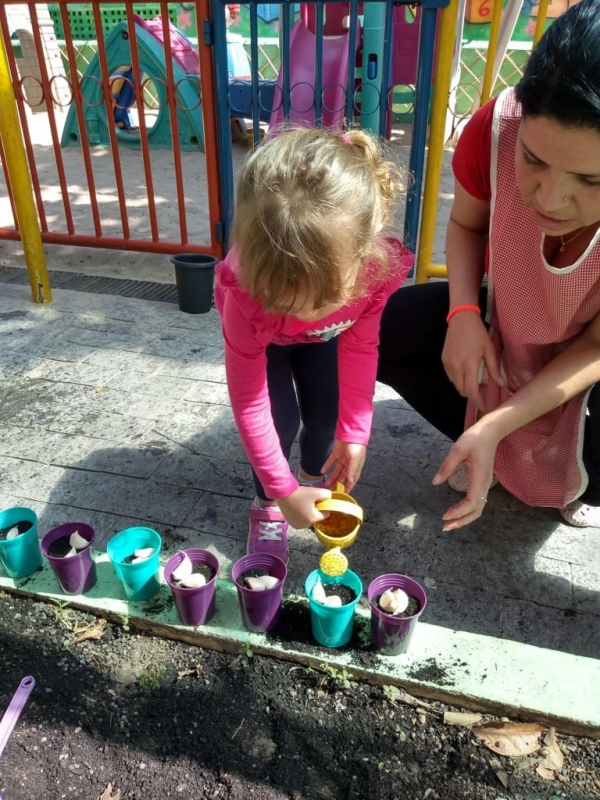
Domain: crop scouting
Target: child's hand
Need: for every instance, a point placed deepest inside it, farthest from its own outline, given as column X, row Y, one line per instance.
column 299, row 507
column 345, row 462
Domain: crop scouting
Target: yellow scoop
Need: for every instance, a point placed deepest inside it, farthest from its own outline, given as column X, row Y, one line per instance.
column 340, row 529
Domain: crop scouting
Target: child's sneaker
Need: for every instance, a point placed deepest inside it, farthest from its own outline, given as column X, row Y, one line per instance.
column 268, row 532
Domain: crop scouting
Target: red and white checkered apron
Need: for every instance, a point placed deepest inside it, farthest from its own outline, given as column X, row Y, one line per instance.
column 541, row 309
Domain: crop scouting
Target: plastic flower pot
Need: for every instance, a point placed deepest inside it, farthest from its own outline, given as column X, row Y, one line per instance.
column 194, row 276
column 196, row 605
column 21, row 556
column 76, row 573
column 391, row 635
column 138, row 579
column 332, row 626
column 260, row 609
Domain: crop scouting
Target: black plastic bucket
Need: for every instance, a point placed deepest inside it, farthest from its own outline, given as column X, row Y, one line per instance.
column 194, row 275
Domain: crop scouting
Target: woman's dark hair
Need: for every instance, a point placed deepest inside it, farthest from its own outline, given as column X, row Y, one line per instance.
column 562, row 77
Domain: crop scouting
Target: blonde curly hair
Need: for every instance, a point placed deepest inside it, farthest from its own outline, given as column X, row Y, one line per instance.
column 311, row 209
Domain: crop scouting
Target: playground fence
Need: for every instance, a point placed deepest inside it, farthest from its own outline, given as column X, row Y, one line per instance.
column 140, row 91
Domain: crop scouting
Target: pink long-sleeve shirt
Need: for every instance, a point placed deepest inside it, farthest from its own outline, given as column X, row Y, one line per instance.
column 248, row 330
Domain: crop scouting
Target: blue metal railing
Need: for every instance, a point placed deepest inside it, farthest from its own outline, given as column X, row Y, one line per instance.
column 262, row 97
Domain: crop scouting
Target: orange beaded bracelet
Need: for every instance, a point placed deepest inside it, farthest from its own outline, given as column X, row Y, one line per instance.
column 456, row 309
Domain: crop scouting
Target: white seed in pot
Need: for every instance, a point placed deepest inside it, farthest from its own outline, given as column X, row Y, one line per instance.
column 192, row 581
column 318, row 593
column 394, row 601
column 77, row 541
column 142, row 554
column 333, row 600
column 183, row 570
column 13, row 533
column 262, row 583
column 72, row 552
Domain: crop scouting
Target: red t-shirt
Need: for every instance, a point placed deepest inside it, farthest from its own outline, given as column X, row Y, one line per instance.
column 473, row 154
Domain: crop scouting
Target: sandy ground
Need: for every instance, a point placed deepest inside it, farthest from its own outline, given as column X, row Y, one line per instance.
column 137, row 265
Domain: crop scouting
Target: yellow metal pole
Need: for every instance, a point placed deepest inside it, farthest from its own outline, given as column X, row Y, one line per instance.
column 18, row 173
column 541, row 21
column 486, row 88
column 436, row 144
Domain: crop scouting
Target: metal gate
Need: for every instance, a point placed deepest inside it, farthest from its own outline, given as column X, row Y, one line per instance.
column 100, row 108
column 137, row 117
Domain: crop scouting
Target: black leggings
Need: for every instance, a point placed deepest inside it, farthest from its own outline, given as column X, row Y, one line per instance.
column 413, row 330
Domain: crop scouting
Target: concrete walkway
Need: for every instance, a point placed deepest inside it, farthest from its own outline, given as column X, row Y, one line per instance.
column 115, row 412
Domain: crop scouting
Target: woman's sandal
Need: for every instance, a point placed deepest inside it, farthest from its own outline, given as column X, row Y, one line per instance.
column 459, row 480
column 581, row 516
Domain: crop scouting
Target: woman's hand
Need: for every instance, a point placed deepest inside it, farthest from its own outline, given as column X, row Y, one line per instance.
column 476, row 449
column 467, row 344
column 345, row 464
column 299, row 508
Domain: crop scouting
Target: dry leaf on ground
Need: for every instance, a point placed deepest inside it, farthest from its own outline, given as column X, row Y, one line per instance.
column 511, row 738
column 552, row 757
column 461, row 718
column 184, row 673
column 108, row 795
column 96, row 631
column 545, row 773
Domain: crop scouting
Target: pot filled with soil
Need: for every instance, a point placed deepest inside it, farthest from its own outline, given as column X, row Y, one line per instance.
column 135, row 554
column 333, row 602
column 341, row 527
column 192, row 578
column 20, row 553
column 68, row 549
column 259, row 580
column 397, row 602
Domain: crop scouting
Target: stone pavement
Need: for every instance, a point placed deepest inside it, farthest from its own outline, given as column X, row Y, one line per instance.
column 115, row 412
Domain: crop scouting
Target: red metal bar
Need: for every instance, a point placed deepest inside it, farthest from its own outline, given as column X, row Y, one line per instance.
column 83, row 137
column 172, row 100
column 117, row 243
column 60, row 167
column 139, row 97
column 114, row 142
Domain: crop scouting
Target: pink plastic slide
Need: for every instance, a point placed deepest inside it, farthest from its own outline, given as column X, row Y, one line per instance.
column 182, row 50
column 302, row 59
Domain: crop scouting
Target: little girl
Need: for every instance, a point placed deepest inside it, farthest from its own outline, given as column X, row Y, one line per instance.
column 301, row 295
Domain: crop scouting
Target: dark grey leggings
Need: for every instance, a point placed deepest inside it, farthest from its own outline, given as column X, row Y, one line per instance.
column 303, row 388
column 413, row 330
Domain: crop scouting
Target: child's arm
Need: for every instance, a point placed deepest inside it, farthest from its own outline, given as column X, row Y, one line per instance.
column 245, row 365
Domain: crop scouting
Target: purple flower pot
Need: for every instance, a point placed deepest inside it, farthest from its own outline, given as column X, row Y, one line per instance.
column 195, row 606
column 76, row 574
column 391, row 635
column 260, row 609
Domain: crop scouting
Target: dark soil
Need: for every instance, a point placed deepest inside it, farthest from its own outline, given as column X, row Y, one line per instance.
column 411, row 609
column 345, row 593
column 152, row 719
column 60, row 547
column 21, row 526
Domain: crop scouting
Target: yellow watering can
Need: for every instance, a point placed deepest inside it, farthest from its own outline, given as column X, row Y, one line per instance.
column 340, row 529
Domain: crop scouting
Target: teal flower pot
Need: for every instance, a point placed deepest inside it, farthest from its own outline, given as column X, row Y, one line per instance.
column 139, row 580
column 333, row 626
column 21, row 556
